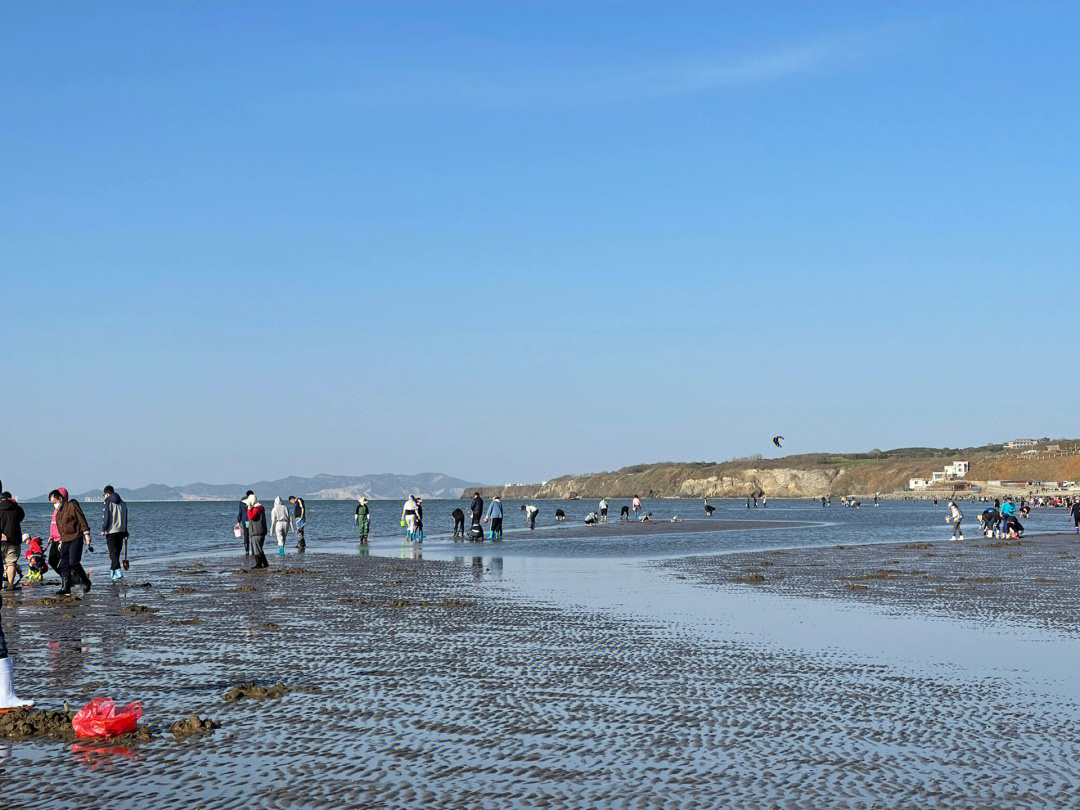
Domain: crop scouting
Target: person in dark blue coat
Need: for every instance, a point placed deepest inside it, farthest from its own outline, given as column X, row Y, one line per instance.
column 243, row 522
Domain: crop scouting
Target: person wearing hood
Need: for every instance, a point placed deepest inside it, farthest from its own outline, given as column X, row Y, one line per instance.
column 495, row 516
column 363, row 518
column 243, row 523
column 256, row 517
column 408, row 517
column 74, row 532
column 279, row 524
column 476, row 510
column 11, row 518
column 114, row 528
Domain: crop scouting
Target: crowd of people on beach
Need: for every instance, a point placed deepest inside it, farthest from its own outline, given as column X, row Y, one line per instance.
column 69, row 536
column 252, row 525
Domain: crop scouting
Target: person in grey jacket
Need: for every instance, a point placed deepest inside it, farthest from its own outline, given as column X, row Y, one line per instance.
column 114, row 528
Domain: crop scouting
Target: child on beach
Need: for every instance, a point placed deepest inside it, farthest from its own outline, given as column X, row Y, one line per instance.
column 35, row 556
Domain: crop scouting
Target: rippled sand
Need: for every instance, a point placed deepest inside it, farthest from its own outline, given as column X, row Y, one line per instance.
column 410, row 684
column 1033, row 580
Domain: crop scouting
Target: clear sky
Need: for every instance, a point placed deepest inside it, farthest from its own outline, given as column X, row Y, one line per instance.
column 509, row 241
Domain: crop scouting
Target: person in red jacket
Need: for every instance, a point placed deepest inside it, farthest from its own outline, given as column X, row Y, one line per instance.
column 257, row 529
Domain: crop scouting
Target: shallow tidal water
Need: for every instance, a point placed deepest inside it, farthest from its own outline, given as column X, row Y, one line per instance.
column 567, row 668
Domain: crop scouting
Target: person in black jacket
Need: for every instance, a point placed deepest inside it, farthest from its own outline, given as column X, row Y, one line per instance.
column 11, row 518
column 459, row 522
column 299, row 520
column 243, row 523
column 476, row 510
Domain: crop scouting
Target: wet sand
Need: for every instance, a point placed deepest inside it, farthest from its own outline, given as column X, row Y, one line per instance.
column 1031, row 581
column 419, row 684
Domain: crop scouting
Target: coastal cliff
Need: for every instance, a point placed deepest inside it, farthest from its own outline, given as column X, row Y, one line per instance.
column 806, row 476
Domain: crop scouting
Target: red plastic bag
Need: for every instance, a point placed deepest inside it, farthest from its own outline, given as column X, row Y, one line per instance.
column 101, row 718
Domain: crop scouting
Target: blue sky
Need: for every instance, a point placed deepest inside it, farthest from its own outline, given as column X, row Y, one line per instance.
column 510, row 241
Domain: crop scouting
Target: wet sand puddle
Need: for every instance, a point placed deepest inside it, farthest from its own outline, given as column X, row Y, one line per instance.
column 544, row 683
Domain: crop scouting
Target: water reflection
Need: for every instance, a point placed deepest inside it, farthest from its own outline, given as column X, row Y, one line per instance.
column 100, row 757
column 492, row 566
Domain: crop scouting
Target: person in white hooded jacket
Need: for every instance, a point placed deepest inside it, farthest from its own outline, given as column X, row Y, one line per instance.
column 409, row 519
column 279, row 524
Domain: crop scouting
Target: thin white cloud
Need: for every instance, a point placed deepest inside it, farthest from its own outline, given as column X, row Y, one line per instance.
column 598, row 84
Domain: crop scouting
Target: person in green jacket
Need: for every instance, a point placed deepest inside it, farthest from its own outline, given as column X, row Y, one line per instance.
column 363, row 519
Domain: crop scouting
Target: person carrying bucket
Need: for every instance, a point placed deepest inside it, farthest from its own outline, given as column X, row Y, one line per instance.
column 495, row 516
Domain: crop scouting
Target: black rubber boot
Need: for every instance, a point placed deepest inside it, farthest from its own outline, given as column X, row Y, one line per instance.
column 81, row 577
column 65, row 587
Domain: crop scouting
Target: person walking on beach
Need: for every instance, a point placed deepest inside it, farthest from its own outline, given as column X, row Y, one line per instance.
column 419, row 519
column 363, row 518
column 243, row 523
column 11, row 518
column 114, row 528
column 1074, row 510
column 299, row 520
column 279, row 524
column 459, row 522
column 256, row 518
column 603, row 510
column 408, row 517
column 955, row 517
column 530, row 515
column 74, row 532
column 495, row 516
column 8, row 698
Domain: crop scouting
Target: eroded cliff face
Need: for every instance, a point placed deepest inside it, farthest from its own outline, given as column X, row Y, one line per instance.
column 782, row 483
column 677, row 481
column 859, row 477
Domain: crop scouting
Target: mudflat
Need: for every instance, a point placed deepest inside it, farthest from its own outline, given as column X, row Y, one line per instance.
column 1033, row 580
column 353, row 682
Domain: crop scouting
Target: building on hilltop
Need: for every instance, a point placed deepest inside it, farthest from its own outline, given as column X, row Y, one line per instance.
column 1021, row 444
column 958, row 469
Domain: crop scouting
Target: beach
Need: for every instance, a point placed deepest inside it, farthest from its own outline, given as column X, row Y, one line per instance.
column 456, row 683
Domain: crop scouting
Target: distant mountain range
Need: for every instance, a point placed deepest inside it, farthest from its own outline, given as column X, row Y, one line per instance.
column 321, row 487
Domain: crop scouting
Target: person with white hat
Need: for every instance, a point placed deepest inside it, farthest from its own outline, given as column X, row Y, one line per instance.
column 363, row 518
